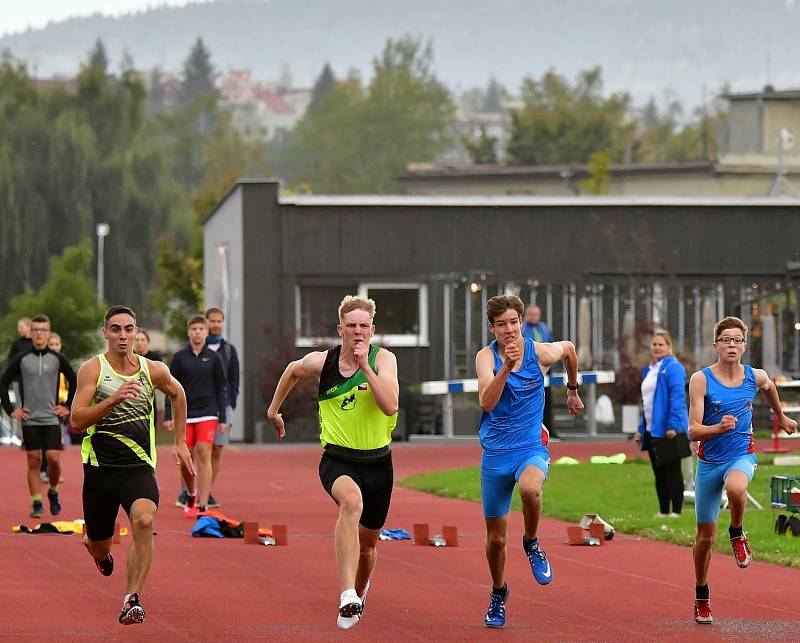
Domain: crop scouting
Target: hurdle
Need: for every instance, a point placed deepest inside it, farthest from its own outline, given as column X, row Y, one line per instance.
column 448, row 387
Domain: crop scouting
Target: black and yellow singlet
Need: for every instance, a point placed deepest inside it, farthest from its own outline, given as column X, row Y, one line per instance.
column 349, row 416
column 125, row 436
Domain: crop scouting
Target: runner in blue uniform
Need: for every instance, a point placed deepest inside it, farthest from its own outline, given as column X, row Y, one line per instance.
column 720, row 418
column 511, row 388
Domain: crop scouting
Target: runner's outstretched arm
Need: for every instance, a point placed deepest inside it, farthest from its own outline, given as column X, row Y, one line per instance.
column 307, row 367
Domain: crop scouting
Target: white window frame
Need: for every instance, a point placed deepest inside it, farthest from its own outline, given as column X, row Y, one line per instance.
column 388, row 340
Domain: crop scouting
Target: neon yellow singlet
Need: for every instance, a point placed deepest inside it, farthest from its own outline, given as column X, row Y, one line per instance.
column 125, row 436
column 348, row 413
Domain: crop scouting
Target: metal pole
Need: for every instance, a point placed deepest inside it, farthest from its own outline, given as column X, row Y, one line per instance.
column 102, row 230
column 446, row 322
column 590, row 404
column 100, row 268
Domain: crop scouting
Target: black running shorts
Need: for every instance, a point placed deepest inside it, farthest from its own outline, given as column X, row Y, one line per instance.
column 36, row 438
column 371, row 470
column 105, row 489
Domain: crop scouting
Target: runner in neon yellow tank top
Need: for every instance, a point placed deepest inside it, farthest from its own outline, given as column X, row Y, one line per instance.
column 114, row 401
column 358, row 397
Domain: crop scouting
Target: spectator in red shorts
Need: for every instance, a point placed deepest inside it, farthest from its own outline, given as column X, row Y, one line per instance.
column 200, row 372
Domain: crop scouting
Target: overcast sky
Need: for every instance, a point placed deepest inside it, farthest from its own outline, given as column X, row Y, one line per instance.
column 19, row 15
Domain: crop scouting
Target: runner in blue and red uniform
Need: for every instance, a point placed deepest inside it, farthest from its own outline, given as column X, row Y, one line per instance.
column 511, row 374
column 720, row 417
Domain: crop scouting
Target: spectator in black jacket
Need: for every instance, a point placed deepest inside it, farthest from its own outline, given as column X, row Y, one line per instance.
column 200, row 372
column 230, row 362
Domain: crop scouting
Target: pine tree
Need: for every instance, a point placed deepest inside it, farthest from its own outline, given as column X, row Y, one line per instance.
column 326, row 81
column 198, row 74
column 98, row 59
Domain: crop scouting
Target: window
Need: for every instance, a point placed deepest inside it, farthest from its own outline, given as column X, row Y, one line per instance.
column 401, row 319
column 402, row 312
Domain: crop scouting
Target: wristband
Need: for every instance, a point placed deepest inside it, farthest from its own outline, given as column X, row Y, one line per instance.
column 572, row 387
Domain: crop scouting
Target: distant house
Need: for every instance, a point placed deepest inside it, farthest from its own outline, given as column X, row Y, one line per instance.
column 756, row 144
column 260, row 109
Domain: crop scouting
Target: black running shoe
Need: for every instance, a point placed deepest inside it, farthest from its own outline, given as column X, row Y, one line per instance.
column 132, row 612
column 106, row 566
column 37, row 511
column 183, row 496
column 55, row 502
column 213, row 503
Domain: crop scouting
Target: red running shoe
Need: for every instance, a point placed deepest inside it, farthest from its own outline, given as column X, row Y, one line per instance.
column 702, row 611
column 741, row 550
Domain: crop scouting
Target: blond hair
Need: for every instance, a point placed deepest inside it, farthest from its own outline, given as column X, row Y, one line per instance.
column 663, row 332
column 727, row 323
column 354, row 302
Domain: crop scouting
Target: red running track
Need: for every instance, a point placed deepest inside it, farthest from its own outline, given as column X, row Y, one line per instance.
column 208, row 590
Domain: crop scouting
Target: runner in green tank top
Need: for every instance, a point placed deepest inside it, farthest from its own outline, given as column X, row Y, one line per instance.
column 358, row 398
column 114, row 401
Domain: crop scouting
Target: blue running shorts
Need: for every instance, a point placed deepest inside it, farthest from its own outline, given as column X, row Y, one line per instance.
column 500, row 471
column 710, row 481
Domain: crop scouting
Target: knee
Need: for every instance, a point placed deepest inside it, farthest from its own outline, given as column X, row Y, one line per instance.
column 143, row 522
column 34, row 459
column 496, row 540
column 704, row 539
column 530, row 493
column 351, row 504
column 736, row 492
column 367, row 549
column 203, row 453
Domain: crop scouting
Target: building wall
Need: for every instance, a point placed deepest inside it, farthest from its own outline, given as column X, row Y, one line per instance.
column 440, row 242
column 224, row 230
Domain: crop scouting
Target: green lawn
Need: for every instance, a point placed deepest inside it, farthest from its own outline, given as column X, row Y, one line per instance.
column 624, row 495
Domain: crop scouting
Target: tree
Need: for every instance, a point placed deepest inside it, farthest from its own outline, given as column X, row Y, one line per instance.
column 98, row 58
column 198, row 74
column 493, row 98
column 484, row 150
column 68, row 298
column 360, row 139
column 325, row 83
column 599, row 167
column 563, row 123
column 156, row 97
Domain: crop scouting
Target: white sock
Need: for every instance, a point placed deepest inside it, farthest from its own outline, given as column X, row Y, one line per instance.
column 348, row 596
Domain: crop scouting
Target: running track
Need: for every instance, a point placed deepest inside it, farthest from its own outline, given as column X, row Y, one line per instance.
column 210, row 590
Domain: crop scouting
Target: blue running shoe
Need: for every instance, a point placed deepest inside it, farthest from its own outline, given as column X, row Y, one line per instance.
column 540, row 566
column 496, row 614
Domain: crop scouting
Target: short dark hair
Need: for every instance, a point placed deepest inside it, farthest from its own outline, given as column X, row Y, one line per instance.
column 214, row 309
column 729, row 323
column 196, row 319
column 143, row 332
column 117, row 310
column 40, row 319
column 496, row 306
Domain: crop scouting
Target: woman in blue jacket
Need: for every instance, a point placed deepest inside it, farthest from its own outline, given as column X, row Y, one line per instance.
column 664, row 416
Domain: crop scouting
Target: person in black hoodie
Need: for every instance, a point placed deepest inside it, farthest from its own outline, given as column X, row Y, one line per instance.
column 200, row 372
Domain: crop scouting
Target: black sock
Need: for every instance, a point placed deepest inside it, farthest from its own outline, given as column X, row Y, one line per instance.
column 527, row 542
column 701, row 592
column 734, row 532
column 201, row 508
column 501, row 592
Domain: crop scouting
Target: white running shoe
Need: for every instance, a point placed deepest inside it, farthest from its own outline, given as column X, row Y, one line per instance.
column 350, row 608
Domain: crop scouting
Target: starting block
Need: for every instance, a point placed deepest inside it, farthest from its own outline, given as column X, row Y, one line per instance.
column 280, row 534
column 592, row 530
column 422, row 535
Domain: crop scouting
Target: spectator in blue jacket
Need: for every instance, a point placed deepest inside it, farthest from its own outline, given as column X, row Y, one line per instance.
column 664, row 415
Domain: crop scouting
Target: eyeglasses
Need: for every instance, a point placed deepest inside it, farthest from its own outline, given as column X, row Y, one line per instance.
column 730, row 340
